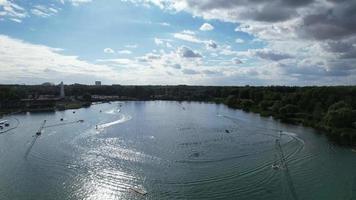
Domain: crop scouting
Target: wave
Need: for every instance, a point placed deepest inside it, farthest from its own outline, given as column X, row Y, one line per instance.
column 123, row 119
column 113, row 111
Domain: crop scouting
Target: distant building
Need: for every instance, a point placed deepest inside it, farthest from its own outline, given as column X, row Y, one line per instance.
column 97, row 83
column 62, row 95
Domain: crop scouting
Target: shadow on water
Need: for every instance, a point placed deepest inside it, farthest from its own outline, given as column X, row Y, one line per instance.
column 38, row 133
column 31, row 145
column 43, row 126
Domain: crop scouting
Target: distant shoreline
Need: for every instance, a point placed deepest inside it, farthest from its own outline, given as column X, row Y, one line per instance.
column 328, row 108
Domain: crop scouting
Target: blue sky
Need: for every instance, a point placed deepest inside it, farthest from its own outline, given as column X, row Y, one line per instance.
column 169, row 42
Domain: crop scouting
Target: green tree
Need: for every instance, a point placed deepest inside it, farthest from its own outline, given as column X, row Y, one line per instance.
column 87, row 97
column 340, row 118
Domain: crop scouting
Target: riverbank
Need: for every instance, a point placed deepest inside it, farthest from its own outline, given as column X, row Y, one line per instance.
column 44, row 108
column 332, row 109
column 337, row 123
column 343, row 136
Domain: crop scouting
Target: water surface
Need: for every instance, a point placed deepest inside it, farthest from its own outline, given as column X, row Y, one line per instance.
column 171, row 150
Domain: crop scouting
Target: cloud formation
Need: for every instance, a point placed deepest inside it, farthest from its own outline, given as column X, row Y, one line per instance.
column 109, row 50
column 270, row 55
column 275, row 41
column 124, row 52
column 314, row 30
column 39, row 63
column 12, row 11
column 43, row 11
column 206, row 27
column 185, row 52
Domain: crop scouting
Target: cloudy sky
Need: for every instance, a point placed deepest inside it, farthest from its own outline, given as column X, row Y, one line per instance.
column 196, row 42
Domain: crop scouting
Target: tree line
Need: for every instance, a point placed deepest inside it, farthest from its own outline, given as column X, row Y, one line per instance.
column 331, row 108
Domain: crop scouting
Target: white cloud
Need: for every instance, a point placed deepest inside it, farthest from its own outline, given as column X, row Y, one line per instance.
column 109, row 50
column 187, row 37
column 158, row 41
column 239, row 40
column 236, row 61
column 169, row 45
column 14, row 12
column 131, row 46
column 290, row 31
column 30, row 63
column 206, row 27
column 190, row 71
column 164, row 24
column 269, row 54
column 286, row 48
column 163, row 42
column 186, row 52
column 11, row 10
column 23, row 62
column 191, row 37
column 211, row 44
column 78, row 2
column 188, row 32
column 124, row 52
column 16, row 20
column 43, row 11
column 121, row 61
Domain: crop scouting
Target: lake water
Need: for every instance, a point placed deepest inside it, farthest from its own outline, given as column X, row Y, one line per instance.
column 171, row 150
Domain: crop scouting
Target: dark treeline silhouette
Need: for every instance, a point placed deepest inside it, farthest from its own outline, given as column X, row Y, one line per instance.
column 332, row 109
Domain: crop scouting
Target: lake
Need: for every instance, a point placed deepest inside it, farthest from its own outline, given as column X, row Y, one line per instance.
column 171, row 150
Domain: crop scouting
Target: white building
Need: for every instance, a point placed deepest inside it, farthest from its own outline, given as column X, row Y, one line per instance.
column 62, row 95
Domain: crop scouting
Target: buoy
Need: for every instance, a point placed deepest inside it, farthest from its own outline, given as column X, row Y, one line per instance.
column 61, row 119
column 227, row 131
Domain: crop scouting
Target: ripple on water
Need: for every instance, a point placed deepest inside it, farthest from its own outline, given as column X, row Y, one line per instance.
column 190, row 160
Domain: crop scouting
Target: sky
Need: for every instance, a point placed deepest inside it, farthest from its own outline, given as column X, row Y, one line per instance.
column 171, row 42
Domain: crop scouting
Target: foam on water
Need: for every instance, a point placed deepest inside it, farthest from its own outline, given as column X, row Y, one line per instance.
column 113, row 111
column 123, row 118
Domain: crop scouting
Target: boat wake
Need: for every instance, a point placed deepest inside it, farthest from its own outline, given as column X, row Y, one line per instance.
column 124, row 118
column 113, row 111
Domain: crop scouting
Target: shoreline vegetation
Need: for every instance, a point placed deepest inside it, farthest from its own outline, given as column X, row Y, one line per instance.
column 328, row 108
